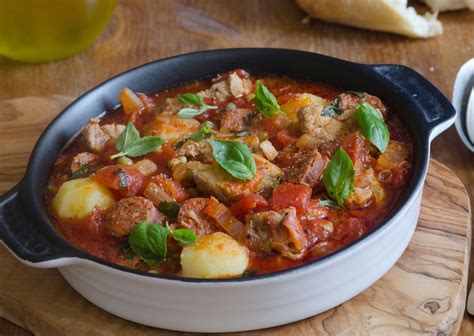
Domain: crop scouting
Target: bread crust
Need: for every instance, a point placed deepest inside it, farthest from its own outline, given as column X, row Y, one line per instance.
column 447, row 5
column 385, row 15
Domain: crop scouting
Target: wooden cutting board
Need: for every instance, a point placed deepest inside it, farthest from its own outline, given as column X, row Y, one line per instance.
column 424, row 293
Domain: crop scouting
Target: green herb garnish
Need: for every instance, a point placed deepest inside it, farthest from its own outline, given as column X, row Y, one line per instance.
column 194, row 100
column 170, row 208
column 265, row 102
column 184, row 236
column 333, row 108
column 203, row 132
column 372, row 126
column 235, row 157
column 123, row 178
column 130, row 144
column 84, row 170
column 149, row 241
column 338, row 176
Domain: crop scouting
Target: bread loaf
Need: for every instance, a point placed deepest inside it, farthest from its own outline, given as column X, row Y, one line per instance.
column 386, row 15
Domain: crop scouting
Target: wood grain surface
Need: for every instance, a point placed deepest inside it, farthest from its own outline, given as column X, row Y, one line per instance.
column 145, row 30
column 424, row 293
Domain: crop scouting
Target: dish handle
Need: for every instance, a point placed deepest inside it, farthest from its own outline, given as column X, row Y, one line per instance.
column 20, row 236
column 436, row 110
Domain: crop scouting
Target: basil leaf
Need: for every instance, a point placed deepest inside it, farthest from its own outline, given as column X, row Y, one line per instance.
column 184, row 236
column 331, row 111
column 84, row 170
column 203, row 132
column 196, row 100
column 235, row 157
column 129, row 143
column 372, row 126
column 338, row 176
column 333, row 108
column 191, row 99
column 128, row 136
column 144, row 146
column 123, row 181
column 148, row 241
column 191, row 112
column 265, row 101
column 170, row 208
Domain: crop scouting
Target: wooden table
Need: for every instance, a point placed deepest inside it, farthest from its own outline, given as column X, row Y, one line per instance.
column 146, row 30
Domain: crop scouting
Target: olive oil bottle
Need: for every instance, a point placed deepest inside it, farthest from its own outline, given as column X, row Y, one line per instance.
column 47, row 30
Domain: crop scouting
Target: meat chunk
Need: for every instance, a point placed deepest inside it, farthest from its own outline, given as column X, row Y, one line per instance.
column 238, row 86
column 307, row 167
column 199, row 151
column 349, row 100
column 214, row 180
column 128, row 212
column 275, row 231
column 232, row 86
column 191, row 216
column 172, row 106
column 235, row 120
column 82, row 159
column 324, row 128
column 366, row 189
column 113, row 130
column 96, row 137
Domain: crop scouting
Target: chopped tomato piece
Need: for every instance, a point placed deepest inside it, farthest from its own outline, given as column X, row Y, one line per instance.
column 126, row 181
column 285, row 138
column 173, row 188
column 354, row 145
column 287, row 195
column 249, row 205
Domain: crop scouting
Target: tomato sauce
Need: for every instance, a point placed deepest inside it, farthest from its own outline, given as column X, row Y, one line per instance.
column 326, row 228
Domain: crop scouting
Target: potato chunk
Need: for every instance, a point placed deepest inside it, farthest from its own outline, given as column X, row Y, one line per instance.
column 78, row 198
column 216, row 255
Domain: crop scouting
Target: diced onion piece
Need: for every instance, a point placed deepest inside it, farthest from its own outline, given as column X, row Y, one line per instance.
column 156, row 194
column 79, row 198
column 216, row 255
column 395, row 154
column 223, row 217
column 146, row 167
column 307, row 140
column 268, row 150
column 130, row 101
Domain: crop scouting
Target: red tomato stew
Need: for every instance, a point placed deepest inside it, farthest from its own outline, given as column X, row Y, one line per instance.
column 235, row 176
